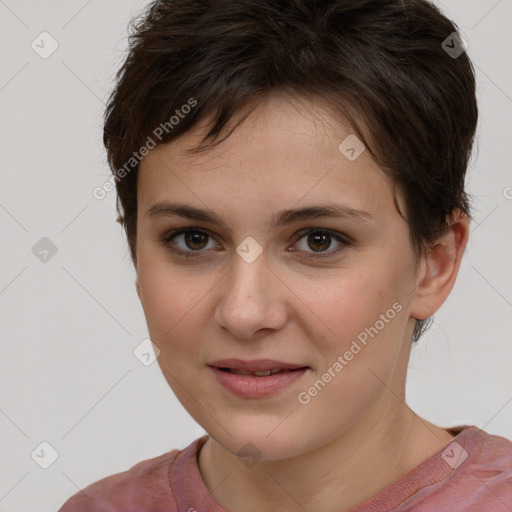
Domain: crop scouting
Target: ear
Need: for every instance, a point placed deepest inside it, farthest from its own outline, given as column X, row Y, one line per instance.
column 137, row 287
column 440, row 267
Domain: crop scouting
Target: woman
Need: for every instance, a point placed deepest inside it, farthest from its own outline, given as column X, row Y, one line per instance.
column 290, row 176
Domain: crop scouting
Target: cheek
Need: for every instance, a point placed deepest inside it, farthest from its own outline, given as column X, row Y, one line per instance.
column 362, row 320
column 172, row 303
column 346, row 305
column 359, row 349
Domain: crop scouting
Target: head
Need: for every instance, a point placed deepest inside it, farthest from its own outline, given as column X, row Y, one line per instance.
column 246, row 109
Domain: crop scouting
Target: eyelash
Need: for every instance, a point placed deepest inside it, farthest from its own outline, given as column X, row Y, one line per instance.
column 344, row 240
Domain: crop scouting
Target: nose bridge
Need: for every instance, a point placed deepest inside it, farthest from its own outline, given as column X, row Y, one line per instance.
column 249, row 301
column 247, row 284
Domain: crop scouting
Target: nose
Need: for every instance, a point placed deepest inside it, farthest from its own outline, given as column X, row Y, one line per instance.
column 252, row 300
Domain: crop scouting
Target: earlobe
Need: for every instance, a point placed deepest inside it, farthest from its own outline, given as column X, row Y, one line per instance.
column 440, row 268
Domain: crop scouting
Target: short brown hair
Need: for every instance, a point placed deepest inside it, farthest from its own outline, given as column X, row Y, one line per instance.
column 381, row 64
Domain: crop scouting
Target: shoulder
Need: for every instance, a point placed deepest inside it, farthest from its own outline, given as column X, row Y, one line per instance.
column 491, row 451
column 486, row 469
column 142, row 487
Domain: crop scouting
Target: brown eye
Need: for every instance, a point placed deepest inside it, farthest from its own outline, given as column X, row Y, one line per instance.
column 318, row 241
column 315, row 243
column 195, row 240
column 190, row 242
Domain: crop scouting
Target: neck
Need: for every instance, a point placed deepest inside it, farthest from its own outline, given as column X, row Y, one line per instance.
column 337, row 476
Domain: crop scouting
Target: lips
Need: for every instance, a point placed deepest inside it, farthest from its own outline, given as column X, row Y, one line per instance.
column 260, row 367
column 263, row 373
column 257, row 379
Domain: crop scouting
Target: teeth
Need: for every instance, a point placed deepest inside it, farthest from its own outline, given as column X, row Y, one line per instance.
column 264, row 373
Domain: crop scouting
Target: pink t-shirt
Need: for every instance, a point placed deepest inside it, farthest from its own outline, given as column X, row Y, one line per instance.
column 471, row 473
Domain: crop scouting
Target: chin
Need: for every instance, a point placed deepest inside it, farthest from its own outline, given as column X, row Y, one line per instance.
column 262, row 442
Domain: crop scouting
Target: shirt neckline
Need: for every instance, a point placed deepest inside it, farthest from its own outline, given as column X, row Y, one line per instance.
column 190, row 491
column 431, row 471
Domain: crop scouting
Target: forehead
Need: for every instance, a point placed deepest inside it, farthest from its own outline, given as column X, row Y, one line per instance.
column 285, row 151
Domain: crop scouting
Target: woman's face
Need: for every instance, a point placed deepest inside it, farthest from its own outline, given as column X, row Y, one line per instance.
column 252, row 288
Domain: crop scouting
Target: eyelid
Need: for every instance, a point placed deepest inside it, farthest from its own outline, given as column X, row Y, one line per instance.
column 335, row 234
column 167, row 240
column 343, row 239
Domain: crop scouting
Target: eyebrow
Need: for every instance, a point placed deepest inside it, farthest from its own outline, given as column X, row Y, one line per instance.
column 283, row 217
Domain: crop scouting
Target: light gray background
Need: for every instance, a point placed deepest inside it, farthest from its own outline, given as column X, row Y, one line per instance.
column 69, row 326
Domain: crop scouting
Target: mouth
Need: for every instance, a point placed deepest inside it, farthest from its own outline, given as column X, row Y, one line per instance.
column 258, row 367
column 263, row 373
column 258, row 378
